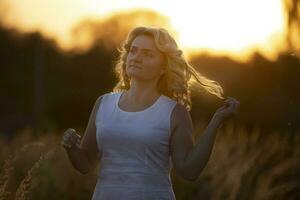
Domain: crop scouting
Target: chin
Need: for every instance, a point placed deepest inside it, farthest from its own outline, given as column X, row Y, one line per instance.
column 133, row 72
column 134, row 75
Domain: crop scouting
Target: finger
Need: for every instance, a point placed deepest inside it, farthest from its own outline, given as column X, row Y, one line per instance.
column 69, row 133
column 74, row 133
column 228, row 99
column 237, row 107
column 231, row 99
column 229, row 103
column 71, row 130
column 65, row 144
column 73, row 140
column 234, row 109
column 67, row 141
column 226, row 103
column 68, row 137
column 231, row 107
column 236, row 102
column 76, row 137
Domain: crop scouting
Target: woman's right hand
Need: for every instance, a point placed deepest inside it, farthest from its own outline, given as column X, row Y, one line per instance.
column 70, row 139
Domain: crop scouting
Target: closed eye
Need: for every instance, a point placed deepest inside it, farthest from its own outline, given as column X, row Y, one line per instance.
column 145, row 53
column 149, row 54
column 131, row 50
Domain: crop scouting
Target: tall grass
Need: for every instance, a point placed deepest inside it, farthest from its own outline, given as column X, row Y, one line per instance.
column 249, row 165
column 243, row 165
column 24, row 187
column 7, row 168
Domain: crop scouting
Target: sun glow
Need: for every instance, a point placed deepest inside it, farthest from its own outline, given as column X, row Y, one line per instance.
column 235, row 28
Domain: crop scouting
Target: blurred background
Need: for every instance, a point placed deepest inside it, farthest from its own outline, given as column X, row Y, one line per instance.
column 58, row 56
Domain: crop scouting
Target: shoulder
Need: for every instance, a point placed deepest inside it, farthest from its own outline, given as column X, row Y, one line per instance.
column 179, row 109
column 99, row 99
column 179, row 115
column 171, row 103
column 97, row 104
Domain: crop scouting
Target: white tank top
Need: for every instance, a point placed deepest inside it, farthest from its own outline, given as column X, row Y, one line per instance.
column 135, row 146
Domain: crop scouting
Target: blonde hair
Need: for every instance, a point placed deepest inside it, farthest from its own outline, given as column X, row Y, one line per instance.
column 180, row 76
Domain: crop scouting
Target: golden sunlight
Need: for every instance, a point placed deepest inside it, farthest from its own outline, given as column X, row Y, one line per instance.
column 231, row 28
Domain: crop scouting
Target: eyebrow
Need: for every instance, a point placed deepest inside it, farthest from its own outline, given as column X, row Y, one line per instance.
column 145, row 49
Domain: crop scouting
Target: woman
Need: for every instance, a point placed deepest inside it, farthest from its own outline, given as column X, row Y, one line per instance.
column 143, row 128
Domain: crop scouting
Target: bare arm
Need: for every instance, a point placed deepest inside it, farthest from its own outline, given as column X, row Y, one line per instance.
column 78, row 159
column 84, row 158
column 190, row 159
column 197, row 159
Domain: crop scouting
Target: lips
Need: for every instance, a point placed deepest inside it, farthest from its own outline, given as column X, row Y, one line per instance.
column 135, row 66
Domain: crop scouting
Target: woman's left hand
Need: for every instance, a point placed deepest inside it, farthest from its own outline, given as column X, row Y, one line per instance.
column 229, row 109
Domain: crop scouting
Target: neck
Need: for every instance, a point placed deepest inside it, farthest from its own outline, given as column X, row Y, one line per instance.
column 141, row 91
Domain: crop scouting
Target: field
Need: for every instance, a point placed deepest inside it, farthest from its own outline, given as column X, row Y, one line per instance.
column 243, row 165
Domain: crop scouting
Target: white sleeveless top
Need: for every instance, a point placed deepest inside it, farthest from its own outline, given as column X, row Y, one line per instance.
column 135, row 162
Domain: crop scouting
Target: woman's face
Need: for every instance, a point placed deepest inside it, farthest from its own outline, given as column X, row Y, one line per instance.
column 144, row 60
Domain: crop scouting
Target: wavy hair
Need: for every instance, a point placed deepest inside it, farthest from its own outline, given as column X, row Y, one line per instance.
column 180, row 77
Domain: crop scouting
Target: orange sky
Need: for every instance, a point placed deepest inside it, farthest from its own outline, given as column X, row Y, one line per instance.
column 233, row 27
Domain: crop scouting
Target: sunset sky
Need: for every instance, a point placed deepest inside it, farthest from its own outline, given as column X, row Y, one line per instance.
column 233, row 27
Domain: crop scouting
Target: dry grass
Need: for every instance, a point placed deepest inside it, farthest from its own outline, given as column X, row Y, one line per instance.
column 243, row 165
column 37, row 168
column 256, row 165
column 24, row 187
column 4, row 176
